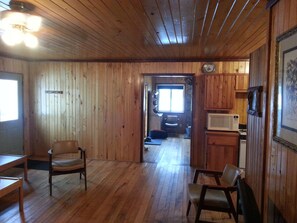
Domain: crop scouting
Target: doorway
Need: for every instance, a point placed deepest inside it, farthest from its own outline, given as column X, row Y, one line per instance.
column 167, row 118
column 11, row 113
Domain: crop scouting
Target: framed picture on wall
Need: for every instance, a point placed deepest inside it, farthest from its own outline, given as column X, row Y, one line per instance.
column 285, row 98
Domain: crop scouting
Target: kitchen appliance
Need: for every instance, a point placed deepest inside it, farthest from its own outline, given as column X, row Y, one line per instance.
column 242, row 146
column 222, row 122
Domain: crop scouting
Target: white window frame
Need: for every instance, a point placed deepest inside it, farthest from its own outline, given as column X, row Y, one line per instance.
column 172, row 86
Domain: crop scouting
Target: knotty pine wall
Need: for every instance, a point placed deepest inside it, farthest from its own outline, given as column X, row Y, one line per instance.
column 101, row 105
column 97, row 104
column 20, row 67
column 281, row 177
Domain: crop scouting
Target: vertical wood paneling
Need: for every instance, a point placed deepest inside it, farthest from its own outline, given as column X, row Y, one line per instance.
column 240, row 107
column 198, row 155
column 101, row 105
column 220, row 92
column 281, row 173
column 255, row 159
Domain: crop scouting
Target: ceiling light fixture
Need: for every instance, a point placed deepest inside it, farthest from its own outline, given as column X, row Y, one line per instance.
column 17, row 25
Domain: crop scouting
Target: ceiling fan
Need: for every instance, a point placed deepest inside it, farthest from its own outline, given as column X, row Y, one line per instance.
column 18, row 24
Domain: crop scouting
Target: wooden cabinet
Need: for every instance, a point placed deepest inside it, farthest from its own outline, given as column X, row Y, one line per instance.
column 242, row 82
column 219, row 91
column 221, row 148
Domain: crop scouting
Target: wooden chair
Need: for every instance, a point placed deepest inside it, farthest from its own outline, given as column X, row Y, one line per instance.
column 67, row 157
column 214, row 197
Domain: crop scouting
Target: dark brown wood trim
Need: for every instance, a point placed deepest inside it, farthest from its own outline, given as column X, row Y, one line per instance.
column 271, row 3
column 267, row 137
column 144, row 60
column 126, row 60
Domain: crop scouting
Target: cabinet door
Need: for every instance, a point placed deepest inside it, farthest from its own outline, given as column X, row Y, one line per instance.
column 219, row 156
column 219, row 92
column 221, row 148
column 242, row 82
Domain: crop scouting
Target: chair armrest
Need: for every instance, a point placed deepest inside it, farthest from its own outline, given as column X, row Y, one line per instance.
column 220, row 187
column 212, row 173
column 82, row 153
column 81, row 149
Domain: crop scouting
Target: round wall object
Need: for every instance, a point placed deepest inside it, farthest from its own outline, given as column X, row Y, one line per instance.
column 208, row 68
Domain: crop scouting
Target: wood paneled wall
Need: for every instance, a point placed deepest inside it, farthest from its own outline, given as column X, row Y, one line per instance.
column 20, row 67
column 240, row 106
column 101, row 105
column 282, row 162
column 256, row 148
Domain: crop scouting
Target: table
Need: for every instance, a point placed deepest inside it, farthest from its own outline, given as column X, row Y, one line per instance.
column 9, row 184
column 8, row 161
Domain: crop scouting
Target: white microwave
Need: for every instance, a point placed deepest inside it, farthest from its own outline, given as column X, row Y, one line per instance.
column 222, row 122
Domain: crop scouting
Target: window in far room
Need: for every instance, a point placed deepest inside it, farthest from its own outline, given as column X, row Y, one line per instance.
column 171, row 98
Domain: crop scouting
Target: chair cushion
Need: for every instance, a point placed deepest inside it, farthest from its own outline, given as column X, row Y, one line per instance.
column 67, row 165
column 215, row 198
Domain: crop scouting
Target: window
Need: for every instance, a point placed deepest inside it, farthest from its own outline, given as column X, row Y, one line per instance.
column 171, row 98
column 8, row 100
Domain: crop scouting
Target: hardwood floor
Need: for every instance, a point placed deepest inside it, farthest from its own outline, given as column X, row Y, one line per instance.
column 172, row 151
column 117, row 192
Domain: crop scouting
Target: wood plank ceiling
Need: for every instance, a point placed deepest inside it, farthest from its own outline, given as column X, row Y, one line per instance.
column 114, row 30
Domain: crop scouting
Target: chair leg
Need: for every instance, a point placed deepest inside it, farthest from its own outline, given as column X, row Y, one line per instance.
column 188, row 208
column 199, row 209
column 233, row 212
column 50, row 183
column 85, row 174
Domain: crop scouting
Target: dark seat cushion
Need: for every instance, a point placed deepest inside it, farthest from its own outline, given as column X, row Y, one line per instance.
column 158, row 134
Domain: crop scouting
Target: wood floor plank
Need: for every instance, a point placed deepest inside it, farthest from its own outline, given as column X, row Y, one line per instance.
column 173, row 150
column 117, row 192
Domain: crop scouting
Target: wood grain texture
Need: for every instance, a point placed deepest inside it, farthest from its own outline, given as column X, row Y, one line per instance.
column 281, row 167
column 241, row 82
column 240, row 107
column 219, row 91
column 101, row 105
column 117, row 192
column 145, row 30
column 172, row 151
column 256, row 149
column 221, row 148
column 240, row 104
column 88, row 110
